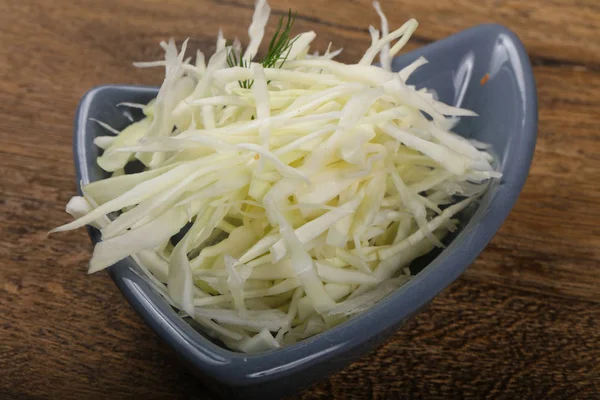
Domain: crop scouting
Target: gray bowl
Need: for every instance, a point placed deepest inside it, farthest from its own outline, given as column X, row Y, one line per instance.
column 507, row 106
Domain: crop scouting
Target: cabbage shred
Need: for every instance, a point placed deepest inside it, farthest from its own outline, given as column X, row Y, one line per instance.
column 306, row 186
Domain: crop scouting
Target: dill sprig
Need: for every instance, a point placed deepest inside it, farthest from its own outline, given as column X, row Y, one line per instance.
column 281, row 43
column 279, row 49
column 234, row 59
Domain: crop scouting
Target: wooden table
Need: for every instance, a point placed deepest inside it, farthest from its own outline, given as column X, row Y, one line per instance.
column 522, row 322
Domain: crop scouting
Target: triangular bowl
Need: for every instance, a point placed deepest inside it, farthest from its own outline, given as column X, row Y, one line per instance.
column 507, row 108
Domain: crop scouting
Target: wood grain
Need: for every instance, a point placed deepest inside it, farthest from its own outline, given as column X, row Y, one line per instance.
column 522, row 322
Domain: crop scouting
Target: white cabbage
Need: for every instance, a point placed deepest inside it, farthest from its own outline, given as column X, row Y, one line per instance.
column 305, row 194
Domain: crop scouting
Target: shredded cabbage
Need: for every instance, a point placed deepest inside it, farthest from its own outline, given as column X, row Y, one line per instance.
column 279, row 199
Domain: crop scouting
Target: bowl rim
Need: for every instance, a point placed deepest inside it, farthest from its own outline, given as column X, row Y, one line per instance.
column 238, row 369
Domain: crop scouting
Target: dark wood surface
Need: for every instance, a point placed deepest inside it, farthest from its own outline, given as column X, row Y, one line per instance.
column 522, row 323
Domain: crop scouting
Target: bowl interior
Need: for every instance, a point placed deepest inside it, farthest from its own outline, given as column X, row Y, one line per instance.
column 507, row 120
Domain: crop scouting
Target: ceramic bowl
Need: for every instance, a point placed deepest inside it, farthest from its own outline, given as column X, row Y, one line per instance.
column 507, row 108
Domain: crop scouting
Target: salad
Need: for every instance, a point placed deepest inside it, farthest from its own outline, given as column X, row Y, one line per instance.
column 282, row 194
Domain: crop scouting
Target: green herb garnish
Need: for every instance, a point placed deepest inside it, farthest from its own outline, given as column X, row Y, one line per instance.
column 281, row 43
column 234, row 59
column 279, row 49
